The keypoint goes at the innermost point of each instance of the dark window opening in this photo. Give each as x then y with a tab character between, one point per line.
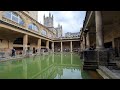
18	41
108	45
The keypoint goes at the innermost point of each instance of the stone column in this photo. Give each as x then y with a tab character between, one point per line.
61	47
39	45
99	31
84	42
47	44
31	47
53	46
87	40
25	41
102	54
71	46
113	43
81	45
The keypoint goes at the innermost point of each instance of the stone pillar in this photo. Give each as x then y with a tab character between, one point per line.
81	46
39	46
25	41
31	47
87	40
47	44
99	32
61	47
81	50
113	43
102	54
53	46
84	41
71	46
10	44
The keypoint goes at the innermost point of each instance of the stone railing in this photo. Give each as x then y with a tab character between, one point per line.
67	38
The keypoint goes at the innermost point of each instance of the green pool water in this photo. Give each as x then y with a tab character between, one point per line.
52	66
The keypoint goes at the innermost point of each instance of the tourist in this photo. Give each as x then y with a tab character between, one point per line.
13	52
91	48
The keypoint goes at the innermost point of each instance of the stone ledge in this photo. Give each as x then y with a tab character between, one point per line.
108	73
102	74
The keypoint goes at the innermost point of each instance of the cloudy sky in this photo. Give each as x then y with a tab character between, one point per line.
71	21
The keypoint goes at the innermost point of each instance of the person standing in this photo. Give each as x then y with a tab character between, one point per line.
13	52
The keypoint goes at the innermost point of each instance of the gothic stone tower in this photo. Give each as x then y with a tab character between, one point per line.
48	21
59	30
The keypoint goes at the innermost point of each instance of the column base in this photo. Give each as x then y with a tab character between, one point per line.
102	57
38	51
93	58
100	48
90	60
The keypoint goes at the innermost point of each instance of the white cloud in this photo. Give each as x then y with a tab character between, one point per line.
71	21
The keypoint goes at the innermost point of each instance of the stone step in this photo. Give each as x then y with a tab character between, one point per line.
108	73
102	74
90	67
112	64
90	63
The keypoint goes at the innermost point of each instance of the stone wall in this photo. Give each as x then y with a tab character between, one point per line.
5	44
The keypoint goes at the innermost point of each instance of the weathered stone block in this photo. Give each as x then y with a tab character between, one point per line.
111	55
81	55
90	60
102	56
90	56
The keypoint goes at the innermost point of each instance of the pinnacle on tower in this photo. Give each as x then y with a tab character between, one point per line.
44	16
61	26
52	16
58	25
49	14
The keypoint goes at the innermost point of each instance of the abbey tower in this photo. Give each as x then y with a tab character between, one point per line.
49	23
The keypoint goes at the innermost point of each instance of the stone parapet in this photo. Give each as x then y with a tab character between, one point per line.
93	58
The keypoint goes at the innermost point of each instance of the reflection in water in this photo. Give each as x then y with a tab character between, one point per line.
53	66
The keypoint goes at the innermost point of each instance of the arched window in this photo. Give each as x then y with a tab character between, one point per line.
43	32
14	17
33	27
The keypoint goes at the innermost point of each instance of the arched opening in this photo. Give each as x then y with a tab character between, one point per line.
32	26
14	17
43	32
